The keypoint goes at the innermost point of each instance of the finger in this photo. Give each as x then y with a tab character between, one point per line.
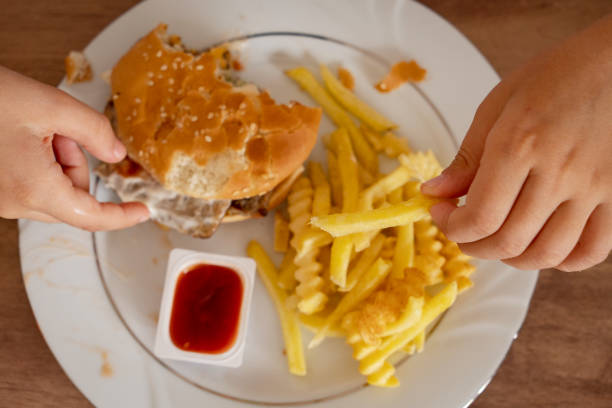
77	207
490	198
532	209
455	180
594	244
38	216
556	239
71	158
87	127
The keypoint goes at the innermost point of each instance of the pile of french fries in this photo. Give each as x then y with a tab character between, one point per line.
362	258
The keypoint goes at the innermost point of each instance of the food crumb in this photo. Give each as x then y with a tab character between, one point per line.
155	260
401	73
345	76
77	67
284	352
106	370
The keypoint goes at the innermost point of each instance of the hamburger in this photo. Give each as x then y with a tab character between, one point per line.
203	147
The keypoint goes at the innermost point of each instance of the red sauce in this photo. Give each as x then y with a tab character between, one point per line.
206	309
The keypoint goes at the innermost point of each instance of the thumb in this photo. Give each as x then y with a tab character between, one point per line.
89	128
456	179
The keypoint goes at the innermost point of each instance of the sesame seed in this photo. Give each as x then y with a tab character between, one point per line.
171	90
182	64
162	108
199	67
208	139
158	54
128	118
115	97
134	113
222	107
174	65
150	83
150	74
164	141
163	115
194	118
196	133
159	76
242	106
145	54
137	100
210	115
163	67
201	89
171	81
179	125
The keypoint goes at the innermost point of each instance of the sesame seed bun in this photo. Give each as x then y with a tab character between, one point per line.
196	133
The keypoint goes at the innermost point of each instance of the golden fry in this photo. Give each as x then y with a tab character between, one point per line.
399	214
366	285
286	273
410	316
393	145
288	318
314	322
432	309
397	178
373	138
396	196
348	170
404	250
281	233
383	376
366	259
337	114
334	178
354	105
340	257
321	199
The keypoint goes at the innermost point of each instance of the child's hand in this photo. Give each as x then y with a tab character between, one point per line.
43	172
536	163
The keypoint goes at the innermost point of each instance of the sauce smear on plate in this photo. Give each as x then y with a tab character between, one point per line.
206	309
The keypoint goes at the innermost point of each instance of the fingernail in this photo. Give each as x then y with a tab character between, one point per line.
119	150
435	182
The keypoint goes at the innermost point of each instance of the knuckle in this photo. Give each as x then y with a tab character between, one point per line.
464	158
509	247
548	257
484	224
101	124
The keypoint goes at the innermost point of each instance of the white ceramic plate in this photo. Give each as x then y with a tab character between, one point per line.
96	296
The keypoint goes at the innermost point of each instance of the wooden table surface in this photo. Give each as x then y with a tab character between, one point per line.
563	355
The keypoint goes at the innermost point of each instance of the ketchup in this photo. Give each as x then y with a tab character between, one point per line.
206	310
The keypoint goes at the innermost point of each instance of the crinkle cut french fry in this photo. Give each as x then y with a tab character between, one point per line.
337	114
357	107
432	309
286	273
348	170
338	225
340	257
404	250
373	277
364	261
281	233
321	200
288	318
334	179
